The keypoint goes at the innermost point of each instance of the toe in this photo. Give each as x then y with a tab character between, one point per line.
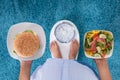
52	44
56	43
76	42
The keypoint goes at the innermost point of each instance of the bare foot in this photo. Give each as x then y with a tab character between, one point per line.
74	47
54	48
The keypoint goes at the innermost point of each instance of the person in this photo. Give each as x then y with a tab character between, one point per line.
63	69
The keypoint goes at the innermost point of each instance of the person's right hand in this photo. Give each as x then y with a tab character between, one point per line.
26	63
25	67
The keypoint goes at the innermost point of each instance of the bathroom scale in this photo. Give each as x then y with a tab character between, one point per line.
63	32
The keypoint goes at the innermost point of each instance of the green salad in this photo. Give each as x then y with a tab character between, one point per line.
98	43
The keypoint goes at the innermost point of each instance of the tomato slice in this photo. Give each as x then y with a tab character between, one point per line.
95	37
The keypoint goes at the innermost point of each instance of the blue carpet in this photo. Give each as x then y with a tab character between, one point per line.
86	14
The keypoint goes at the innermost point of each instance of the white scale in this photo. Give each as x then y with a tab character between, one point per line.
63	32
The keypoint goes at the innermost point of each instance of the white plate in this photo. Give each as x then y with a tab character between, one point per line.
107	56
21	27
64	47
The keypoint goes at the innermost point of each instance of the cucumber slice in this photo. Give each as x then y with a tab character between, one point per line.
102	36
96	55
98	49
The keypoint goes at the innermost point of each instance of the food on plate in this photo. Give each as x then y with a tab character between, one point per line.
26	44
98	43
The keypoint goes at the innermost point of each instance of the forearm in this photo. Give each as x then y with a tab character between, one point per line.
103	70
24	71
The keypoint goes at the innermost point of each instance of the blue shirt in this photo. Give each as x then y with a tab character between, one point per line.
62	69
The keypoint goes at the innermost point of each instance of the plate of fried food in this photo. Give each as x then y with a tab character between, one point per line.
98	44
26	41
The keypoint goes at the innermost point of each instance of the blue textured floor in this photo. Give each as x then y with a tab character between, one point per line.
86	14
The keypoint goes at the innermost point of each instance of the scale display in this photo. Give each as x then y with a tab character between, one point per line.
64	32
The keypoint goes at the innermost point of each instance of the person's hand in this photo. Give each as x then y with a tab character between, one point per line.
25	67
25	63
103	69
101	62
